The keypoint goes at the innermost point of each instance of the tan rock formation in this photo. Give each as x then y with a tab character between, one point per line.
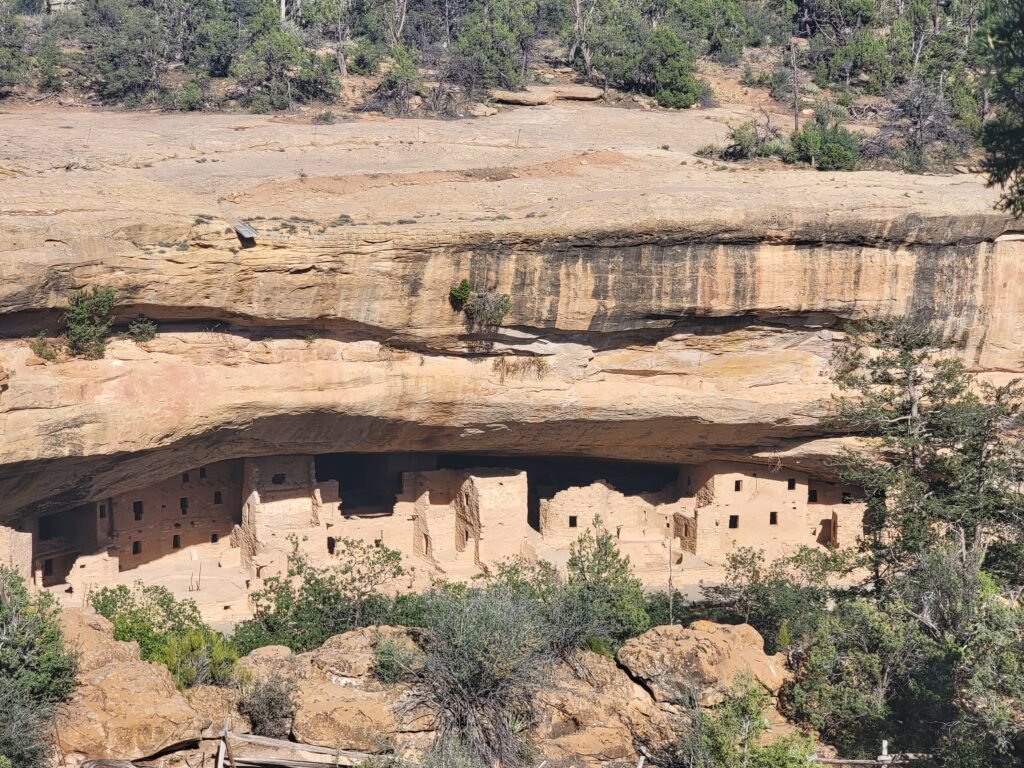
700	662
684	313
123	708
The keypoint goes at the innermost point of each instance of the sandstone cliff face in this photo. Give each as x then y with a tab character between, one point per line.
684	313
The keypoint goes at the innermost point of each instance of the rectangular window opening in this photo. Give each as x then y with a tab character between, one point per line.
47	567
137	509
791	484
278	479
734	521
136	547
773	518
218	498
847	497
184	477
812	495
738	485
572	521
202	473
183	504
103	511
176	542
214	538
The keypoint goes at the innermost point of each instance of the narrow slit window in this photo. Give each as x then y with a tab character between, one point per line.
202	473
183	504
176	542
737	486
734	521
103	511
137	509
773	518
218	498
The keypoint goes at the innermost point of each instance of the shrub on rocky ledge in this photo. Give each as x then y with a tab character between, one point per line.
87	321
269	706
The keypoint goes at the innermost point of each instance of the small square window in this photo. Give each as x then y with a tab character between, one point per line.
136	547
137	509
734	521
176	542
214	538
202	473
773	518
183	505
184	477
572	521
218	498
738	485
812	495
278	479
847	497
791	484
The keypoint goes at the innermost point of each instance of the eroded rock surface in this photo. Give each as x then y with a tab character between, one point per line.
701	662
124	708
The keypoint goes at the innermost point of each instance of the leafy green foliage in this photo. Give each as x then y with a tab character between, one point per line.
147	614
732	735
615	598
1004	136
199	657
277	70
87	321
43	348
392	661
37	671
825	144
487	310
13	61
459	294
142	329
309	605
399	85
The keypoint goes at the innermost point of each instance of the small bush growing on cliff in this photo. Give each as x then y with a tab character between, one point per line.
43	348
487	310
87	321
392	661
37	671
269	706
459	294
142	329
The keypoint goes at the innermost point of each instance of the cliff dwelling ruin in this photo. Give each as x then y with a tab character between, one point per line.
451	516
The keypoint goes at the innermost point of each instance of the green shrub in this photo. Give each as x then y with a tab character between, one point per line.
487	310
5	762
87	321
364	57
13	61
48	76
142	329
459	294
37	671
830	148
614	597
199	657
309	605
43	348
269	706
149	615
189	98
393	94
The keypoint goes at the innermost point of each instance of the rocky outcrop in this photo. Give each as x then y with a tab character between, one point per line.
123	708
701	663
594	712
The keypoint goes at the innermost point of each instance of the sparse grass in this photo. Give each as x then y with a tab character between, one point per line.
343	220
497	173
43	348
182	246
311	338
325	118
520	367
488	310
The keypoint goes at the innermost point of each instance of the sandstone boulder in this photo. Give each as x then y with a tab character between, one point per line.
578	93
702	660
124	708
528	98
596	714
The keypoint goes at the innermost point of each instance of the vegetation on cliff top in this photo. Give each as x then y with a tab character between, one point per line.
930	62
